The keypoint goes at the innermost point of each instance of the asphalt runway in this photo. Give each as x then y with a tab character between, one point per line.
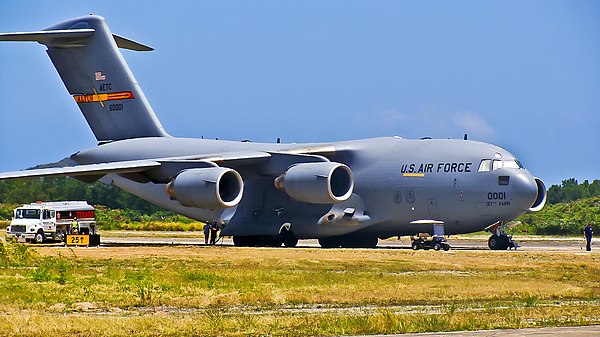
457	243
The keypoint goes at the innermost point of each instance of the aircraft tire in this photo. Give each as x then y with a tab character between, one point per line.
331	242
494	242
290	242
244	241
269	241
504	242
39	237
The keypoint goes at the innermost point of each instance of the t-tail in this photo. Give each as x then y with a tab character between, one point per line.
88	60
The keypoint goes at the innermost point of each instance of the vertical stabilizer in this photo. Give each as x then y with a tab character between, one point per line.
88	60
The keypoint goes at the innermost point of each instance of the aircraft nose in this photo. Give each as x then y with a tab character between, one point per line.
530	192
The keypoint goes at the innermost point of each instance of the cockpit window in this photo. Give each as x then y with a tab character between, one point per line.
514	164
497	164
488	165
485	166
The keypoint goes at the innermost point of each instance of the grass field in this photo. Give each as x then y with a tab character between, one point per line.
230	291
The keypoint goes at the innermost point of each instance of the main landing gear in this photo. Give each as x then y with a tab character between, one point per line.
264	241
500	239
349	241
285	237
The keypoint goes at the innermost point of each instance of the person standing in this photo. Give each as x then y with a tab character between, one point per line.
214	227
206	233
75	226
587	234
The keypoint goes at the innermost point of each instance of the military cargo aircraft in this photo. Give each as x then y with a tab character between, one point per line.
345	194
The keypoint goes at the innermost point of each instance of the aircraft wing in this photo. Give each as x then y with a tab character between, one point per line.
158	169
99	170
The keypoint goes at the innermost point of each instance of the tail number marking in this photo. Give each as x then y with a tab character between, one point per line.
115	107
496	196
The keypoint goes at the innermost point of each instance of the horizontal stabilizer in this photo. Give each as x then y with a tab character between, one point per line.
47	37
44	36
130	44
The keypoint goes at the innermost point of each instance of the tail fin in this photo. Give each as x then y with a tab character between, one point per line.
86	55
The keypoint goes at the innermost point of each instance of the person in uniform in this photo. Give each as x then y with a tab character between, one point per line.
214	227
587	234
206	233
75	226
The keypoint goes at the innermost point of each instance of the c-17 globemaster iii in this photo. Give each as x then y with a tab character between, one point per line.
345	194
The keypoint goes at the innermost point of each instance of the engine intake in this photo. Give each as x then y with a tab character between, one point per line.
317	183
214	187
540	200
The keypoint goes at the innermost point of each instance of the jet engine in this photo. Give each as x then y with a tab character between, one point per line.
540	200
211	188
317	183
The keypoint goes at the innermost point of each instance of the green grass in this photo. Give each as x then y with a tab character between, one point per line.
229	291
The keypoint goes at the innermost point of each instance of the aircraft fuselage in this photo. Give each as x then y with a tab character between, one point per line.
399	181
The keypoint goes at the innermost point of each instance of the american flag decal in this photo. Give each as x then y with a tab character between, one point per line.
99	76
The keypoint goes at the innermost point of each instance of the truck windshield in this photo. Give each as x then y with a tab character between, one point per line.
27	213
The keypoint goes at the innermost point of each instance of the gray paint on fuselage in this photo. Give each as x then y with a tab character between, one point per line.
391	199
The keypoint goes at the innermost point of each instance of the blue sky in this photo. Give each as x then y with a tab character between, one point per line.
524	75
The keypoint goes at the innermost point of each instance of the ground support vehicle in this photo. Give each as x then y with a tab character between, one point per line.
44	221
426	241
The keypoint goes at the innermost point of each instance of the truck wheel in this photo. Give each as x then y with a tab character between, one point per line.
437	246
415	245
39	237
446	247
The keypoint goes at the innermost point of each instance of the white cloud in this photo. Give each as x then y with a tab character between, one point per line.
427	121
473	124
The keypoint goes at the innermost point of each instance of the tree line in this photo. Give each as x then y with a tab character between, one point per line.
570	190
24	191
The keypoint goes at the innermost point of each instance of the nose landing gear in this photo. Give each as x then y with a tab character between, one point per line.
500	239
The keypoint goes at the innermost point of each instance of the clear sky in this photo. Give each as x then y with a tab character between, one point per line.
524	75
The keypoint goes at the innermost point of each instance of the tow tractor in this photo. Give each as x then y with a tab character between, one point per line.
426	241
500	239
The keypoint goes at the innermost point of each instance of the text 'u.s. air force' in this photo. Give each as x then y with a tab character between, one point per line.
436	167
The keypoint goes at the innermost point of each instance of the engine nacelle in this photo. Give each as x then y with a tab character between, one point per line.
540	200
317	183
211	188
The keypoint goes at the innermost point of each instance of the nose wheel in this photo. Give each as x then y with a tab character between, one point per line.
500	239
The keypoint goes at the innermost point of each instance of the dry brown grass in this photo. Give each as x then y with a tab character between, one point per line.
171	291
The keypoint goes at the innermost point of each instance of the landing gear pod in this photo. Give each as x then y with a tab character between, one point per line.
317	183
210	188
